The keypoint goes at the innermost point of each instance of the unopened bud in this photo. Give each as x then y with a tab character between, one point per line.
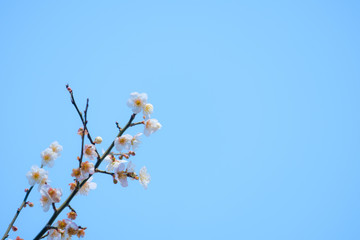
121	157
115	181
132	153
68	88
98	140
30	204
81	233
72	215
14	228
26	189
18	238
126	156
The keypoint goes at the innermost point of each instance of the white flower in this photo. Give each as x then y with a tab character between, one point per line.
54	234
144	177
45	202
87	168
121	175
151	126
98	140
137	101
48	156
70	229
89	151
147	110
112	163
36	175
57	148
54	193
89	185
123	142
135	141
49	195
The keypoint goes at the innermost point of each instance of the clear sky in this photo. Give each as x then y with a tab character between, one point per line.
259	102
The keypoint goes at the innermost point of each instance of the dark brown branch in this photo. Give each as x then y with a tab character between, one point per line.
47	234
138	123
54	207
83	134
81	117
17	213
112	144
71	208
117	125
105	172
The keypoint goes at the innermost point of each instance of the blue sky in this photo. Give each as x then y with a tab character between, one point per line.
259	103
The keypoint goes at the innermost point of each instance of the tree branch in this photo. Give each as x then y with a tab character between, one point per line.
17	213
81	117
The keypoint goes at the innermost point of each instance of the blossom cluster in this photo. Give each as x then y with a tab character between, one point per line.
117	165
38	175
66	229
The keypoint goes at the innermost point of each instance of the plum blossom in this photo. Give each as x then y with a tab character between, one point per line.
147	110
87	168
112	162
135	141
45	202
151	126
137	101
49	195
121	175
89	151
123	142
36	175
56	148
54	234
89	185
48	156
81	131
144	177
71	229
77	173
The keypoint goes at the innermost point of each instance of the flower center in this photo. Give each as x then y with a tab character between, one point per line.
137	102
36	175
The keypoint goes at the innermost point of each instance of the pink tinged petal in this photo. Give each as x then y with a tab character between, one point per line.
123	182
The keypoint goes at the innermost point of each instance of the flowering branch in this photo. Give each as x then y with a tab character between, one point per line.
83	175
112	144
23	204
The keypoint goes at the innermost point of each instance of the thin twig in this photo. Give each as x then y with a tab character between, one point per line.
17	213
54	207
138	123
47	234
112	144
81	117
83	134
105	172
71	208
117	125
